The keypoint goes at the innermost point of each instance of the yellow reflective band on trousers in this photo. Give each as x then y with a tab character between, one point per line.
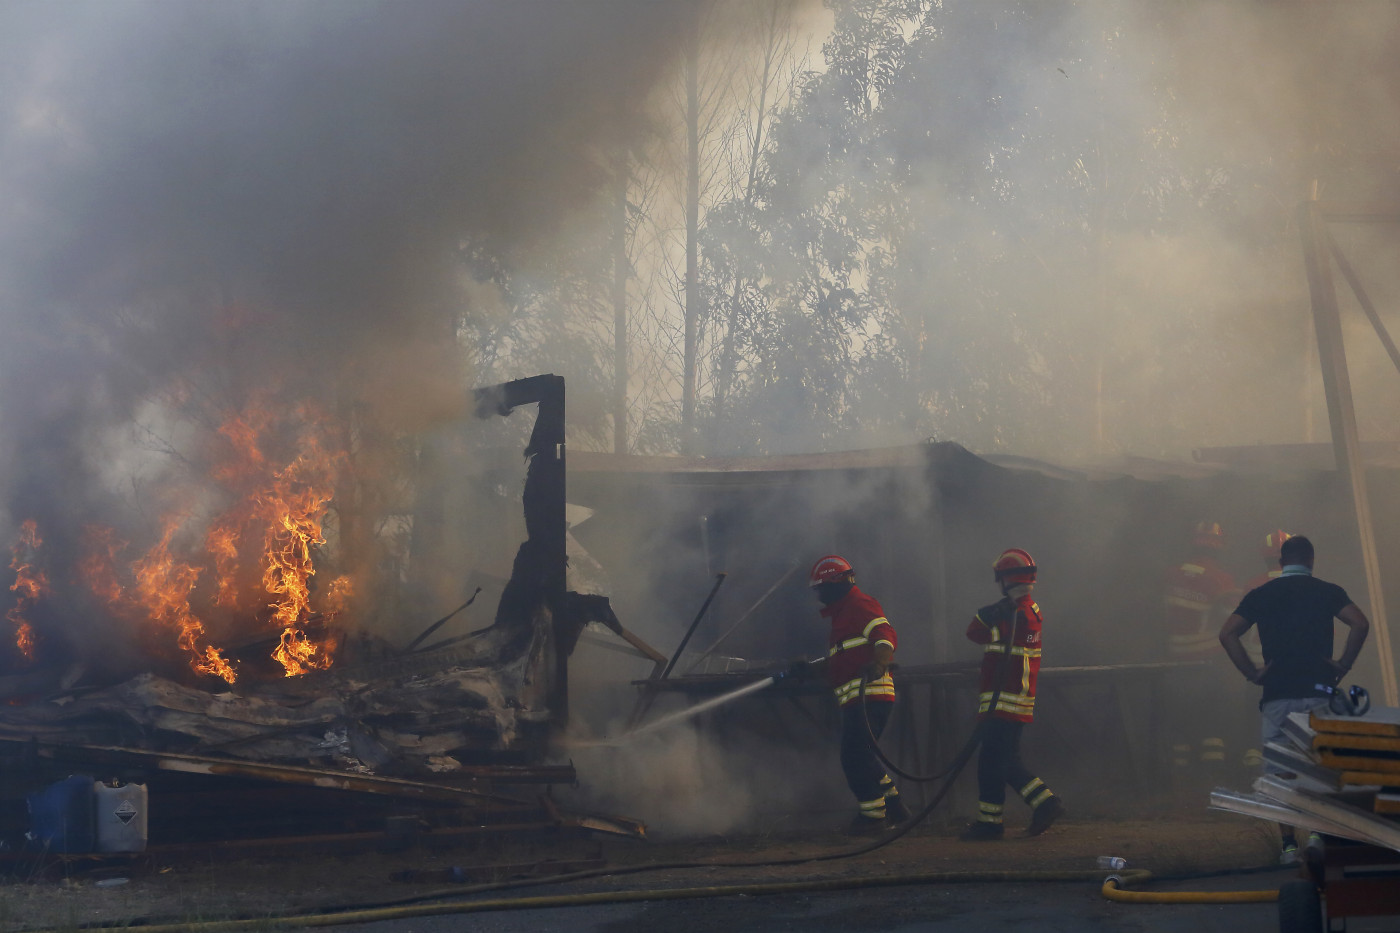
989	812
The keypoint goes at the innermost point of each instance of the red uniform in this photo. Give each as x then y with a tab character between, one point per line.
858	624
1200	594
1015	623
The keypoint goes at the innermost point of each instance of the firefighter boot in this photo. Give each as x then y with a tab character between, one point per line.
862	825
979	831
895	810
870	821
988	825
1046	812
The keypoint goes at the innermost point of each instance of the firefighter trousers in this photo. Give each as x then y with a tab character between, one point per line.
865	775
999	763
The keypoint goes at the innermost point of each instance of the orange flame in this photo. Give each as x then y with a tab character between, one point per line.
296	504
97	564
277	465
281	508
30	584
163	586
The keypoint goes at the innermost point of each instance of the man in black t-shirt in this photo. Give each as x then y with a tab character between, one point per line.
1294	614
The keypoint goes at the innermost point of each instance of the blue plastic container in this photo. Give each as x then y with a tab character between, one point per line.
61	816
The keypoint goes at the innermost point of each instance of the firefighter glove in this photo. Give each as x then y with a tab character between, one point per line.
873	670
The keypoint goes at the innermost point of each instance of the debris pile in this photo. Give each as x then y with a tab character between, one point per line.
1342	777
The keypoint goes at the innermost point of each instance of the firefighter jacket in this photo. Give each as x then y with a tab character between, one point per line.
858	624
1012	625
1199	596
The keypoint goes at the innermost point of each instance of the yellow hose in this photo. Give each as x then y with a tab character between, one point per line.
1113	891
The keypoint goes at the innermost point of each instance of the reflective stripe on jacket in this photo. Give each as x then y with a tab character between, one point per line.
858	624
1013	625
1199	595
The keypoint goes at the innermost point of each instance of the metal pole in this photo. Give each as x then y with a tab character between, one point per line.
743	618
1341	414
719	579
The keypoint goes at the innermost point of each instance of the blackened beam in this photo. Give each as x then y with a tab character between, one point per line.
539	576
545	491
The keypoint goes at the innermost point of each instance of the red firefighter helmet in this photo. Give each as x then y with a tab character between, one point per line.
1208	535
1273	541
830	569
1014	566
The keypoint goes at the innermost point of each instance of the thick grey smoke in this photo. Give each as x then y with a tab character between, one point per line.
263	194
213	205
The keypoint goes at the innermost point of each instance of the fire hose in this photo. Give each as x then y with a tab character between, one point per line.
370	914
1112	889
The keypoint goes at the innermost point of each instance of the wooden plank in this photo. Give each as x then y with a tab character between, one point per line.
1379	720
1359	762
287	774
1388	804
1367	779
1376	743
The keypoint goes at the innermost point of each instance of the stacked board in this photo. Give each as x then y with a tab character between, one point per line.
1364	751
1342	777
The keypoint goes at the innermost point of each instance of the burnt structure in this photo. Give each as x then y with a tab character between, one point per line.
537	615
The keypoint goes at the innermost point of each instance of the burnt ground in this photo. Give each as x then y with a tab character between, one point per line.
207	885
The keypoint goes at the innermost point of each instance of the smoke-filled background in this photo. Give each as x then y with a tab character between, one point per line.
1056	230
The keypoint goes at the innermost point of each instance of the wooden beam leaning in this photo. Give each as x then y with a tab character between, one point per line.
1341	414
1364	300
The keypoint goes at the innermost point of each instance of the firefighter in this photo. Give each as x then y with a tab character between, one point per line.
1199	596
1009	631
1269	551
861	650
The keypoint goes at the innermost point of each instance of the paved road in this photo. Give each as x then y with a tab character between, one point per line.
964	908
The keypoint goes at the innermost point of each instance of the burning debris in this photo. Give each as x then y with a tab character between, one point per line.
246	658
30	584
211	582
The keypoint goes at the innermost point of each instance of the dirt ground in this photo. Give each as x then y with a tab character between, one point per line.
209	886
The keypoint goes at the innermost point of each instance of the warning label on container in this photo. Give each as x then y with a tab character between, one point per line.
125	812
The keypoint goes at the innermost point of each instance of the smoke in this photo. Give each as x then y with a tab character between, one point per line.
1124	180
726	771
214	203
